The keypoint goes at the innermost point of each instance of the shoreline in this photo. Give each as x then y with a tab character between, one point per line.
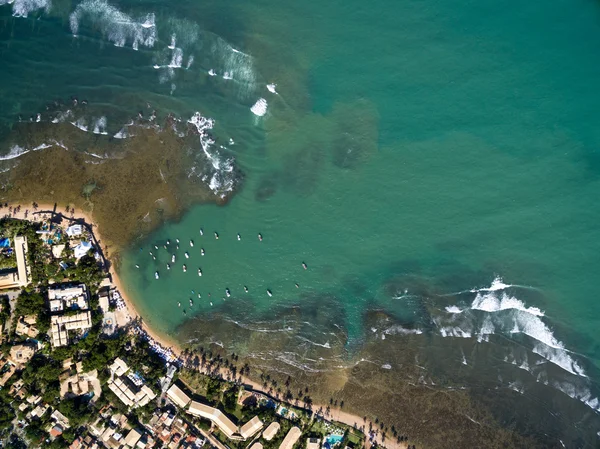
131	314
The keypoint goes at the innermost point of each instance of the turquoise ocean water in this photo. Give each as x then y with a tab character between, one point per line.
433	160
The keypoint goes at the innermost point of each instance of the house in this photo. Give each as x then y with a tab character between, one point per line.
82	249
291	438
74	230
21	354
60	419
132	438
178	397
26	326
271	431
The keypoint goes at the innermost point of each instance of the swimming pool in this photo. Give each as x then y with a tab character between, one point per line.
333	439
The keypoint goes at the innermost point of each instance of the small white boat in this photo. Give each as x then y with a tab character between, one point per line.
178	304
168	242
192	243
216	236
245	289
199	272
184	268
227	292
136	265
168	267
165	246
260	236
239	237
155	247
202	251
156	275
297	286
177	240
153	257
199	295
304	265
269	293
201	231
211	303
151	253
173	258
187	256
191	303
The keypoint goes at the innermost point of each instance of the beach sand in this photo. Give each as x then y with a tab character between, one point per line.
130	313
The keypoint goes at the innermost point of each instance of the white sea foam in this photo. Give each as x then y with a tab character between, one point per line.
117	26
490	302
506	315
22	8
454	309
386	366
190	62
63	116
271	88
100	126
399	330
260	107
176	58
123	133
497	284
81	124
15	152
220	176
42	146
211	72
173	41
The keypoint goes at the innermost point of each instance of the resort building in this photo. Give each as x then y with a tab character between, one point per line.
178	397
20	277
225	425
60	325
129	388
256	446
69	303
80	384
291	438
251	427
217	417
271	431
67	296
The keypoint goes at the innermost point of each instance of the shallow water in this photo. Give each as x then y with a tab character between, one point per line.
431	161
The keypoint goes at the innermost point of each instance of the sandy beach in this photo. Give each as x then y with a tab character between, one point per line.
129	313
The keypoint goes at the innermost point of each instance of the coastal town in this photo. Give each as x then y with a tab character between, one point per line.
79	369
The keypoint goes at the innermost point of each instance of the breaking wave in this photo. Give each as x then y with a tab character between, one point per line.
117	26
22	8
218	170
494	311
